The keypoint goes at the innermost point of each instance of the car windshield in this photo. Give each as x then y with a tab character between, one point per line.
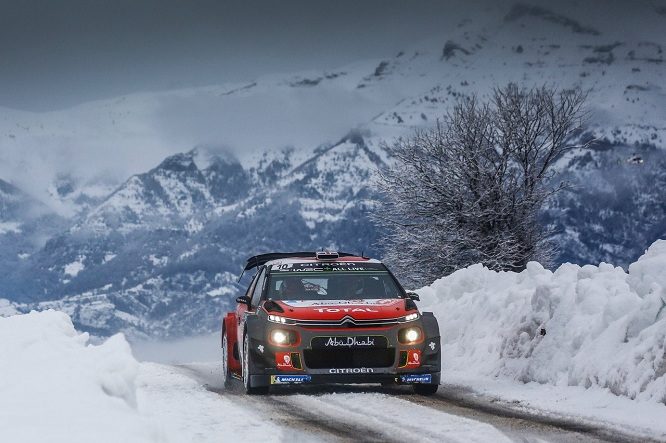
332	283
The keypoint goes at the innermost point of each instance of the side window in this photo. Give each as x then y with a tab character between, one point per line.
250	288
258	287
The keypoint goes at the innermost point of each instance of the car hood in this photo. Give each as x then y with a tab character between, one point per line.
332	310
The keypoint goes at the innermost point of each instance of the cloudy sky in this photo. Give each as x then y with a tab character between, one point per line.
58	53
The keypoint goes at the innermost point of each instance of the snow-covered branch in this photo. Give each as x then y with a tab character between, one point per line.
470	189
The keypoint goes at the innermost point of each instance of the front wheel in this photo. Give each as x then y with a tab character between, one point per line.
424	389
247	368
226	376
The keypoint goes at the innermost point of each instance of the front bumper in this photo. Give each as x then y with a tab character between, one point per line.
410	378
310	362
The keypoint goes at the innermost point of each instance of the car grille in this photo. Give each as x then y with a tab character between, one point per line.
346	322
349	358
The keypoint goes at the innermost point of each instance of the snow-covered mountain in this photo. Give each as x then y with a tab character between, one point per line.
619	58
285	162
615	205
25	226
162	253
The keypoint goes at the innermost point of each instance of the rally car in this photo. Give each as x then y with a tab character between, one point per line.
328	317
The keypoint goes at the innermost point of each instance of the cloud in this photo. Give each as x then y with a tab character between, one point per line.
112	139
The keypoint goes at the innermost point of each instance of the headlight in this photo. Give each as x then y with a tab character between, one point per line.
410	335
277	319
411	317
281	337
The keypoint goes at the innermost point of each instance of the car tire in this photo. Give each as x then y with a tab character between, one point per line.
425	389
247	370
226	374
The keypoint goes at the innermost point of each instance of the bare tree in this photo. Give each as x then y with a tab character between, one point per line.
470	190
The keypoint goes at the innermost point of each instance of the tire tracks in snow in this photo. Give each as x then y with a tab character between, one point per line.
301	423
351	413
395	414
311	424
395	418
516	420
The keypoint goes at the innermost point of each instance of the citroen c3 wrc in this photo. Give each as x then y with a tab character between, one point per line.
328	317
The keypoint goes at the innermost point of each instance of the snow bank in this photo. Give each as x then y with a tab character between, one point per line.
7	308
56	387
602	327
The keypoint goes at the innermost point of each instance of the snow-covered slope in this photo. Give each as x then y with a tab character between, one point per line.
56	386
76	390
25	225
592	326
615	205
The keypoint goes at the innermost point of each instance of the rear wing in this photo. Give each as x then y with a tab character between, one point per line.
262	259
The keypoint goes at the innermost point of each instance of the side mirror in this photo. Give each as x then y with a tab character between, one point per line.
414	296
243	299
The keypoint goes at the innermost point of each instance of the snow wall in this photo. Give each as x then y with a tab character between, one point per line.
584	326
54	386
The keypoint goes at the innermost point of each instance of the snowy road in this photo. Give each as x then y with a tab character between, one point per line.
372	413
85	392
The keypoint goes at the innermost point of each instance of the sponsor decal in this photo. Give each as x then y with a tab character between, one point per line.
289	379
416	378
387	301
261	348
367	341
283	360
432	345
333	303
333	310
350	370
348	342
413	359
328	267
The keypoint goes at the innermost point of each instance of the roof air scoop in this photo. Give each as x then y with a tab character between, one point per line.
327	255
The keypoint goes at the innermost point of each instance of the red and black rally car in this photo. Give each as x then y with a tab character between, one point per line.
328	317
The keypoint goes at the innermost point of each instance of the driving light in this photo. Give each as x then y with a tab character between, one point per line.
410	335
282	337
279	337
411	317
